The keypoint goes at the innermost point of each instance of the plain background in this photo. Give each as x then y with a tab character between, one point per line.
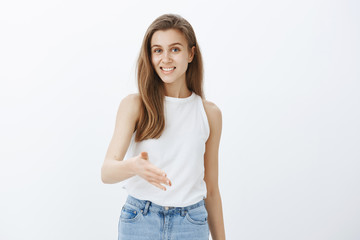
285	75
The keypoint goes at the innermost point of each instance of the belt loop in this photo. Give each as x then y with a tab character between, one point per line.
182	212
147	205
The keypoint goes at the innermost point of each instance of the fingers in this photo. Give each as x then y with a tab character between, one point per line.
157	177
153	174
160	180
157	182
144	155
158	185
161	177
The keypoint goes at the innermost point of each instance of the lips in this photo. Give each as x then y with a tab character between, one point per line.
167	70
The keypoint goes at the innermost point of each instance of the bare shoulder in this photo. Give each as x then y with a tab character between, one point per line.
129	109
214	115
212	110
132	99
131	104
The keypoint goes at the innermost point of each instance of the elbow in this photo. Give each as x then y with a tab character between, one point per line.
104	178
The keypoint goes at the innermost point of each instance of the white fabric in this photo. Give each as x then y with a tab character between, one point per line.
179	152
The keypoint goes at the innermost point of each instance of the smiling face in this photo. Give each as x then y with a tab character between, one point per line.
170	55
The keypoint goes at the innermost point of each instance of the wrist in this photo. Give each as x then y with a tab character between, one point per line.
132	165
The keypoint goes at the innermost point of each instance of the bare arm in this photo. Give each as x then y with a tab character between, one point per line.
213	200
114	169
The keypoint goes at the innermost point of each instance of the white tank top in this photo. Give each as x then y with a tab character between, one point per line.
179	152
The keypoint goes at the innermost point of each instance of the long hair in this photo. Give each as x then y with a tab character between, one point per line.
151	122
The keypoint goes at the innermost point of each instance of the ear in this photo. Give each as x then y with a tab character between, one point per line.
191	54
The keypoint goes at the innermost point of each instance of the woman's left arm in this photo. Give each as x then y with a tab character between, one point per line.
213	199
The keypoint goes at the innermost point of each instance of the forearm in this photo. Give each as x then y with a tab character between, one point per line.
114	171
215	216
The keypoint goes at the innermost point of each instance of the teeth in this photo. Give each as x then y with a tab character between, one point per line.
168	69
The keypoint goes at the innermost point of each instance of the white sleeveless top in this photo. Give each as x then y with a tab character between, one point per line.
179	152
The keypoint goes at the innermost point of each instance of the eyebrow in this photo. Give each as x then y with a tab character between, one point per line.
169	45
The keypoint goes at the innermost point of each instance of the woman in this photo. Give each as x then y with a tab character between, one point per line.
170	135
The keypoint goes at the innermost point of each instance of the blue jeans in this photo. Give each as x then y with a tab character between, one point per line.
144	220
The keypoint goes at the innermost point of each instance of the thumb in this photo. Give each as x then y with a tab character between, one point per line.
144	155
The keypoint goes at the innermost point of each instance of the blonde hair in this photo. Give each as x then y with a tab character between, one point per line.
151	122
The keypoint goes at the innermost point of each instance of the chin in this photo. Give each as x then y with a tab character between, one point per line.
166	80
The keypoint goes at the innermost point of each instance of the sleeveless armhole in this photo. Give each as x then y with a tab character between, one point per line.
205	119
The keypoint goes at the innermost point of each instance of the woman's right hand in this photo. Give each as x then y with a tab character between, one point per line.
149	172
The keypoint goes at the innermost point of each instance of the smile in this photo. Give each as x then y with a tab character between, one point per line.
167	69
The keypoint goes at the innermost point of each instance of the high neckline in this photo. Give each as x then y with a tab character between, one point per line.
175	99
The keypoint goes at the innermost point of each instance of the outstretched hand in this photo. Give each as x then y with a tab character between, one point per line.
148	171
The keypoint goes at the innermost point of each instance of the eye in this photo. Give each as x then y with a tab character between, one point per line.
157	50
176	49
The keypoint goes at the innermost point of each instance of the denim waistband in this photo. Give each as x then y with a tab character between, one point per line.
146	204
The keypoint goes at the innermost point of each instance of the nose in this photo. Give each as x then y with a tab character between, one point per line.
166	57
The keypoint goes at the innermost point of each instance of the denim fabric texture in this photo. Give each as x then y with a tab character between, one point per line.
144	220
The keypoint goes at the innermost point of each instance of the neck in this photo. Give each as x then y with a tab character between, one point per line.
177	91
